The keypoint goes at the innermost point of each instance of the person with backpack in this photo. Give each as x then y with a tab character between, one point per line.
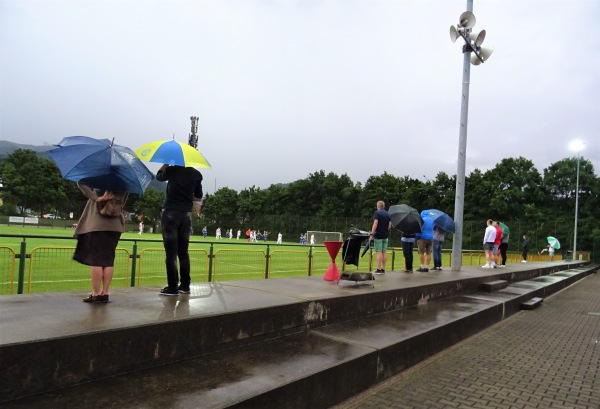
98	232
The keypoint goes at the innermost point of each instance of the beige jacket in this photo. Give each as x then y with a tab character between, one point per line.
91	220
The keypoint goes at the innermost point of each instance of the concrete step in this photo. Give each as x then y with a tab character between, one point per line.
314	368
531	304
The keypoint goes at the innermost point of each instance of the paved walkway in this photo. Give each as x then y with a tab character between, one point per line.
544	358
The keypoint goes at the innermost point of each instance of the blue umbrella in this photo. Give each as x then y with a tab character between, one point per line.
101	164
440	219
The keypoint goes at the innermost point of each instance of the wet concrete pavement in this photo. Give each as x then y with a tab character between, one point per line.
548	357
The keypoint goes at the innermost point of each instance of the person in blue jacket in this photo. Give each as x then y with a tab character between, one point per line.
425	243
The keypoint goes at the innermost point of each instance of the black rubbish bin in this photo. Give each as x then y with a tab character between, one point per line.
569	255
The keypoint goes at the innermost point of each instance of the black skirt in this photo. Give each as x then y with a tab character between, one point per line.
97	248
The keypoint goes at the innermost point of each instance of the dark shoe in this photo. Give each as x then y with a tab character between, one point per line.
91	298
408	271
379	272
168	291
102	298
183	290
422	270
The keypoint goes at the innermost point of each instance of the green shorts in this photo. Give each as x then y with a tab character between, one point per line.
380	245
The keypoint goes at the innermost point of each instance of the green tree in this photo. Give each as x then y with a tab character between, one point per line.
222	208
31	181
149	205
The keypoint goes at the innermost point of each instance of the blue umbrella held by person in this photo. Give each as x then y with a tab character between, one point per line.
101	164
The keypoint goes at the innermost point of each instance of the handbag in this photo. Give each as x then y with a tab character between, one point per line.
111	207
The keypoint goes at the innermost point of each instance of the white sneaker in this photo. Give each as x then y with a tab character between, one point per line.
523	261
501	265
486	266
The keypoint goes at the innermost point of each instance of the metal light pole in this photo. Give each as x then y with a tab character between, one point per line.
472	45
576	145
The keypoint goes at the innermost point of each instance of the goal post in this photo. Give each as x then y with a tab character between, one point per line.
322	236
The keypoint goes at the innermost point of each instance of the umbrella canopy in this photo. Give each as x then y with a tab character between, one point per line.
100	164
553	242
172	153
406	219
440	219
505	229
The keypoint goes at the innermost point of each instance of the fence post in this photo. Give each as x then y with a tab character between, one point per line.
23	257
210	262
267	256
133	263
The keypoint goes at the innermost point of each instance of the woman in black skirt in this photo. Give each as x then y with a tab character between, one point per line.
97	238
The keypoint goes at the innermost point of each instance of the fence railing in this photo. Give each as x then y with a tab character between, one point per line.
51	268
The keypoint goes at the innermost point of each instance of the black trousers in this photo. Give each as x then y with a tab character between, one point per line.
503	248
176	227
407	251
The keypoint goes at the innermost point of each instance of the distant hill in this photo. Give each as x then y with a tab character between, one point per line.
6	148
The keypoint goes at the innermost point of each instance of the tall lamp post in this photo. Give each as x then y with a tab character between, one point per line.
576	146
474	54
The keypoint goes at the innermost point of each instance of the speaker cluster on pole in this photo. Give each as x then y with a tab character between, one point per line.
473	39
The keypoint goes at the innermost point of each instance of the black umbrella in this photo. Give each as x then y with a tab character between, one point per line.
406	219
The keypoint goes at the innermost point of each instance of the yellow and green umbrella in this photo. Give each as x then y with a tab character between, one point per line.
172	153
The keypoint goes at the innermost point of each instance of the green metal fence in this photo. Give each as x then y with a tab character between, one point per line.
51	268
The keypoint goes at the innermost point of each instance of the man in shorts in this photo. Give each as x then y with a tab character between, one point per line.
497	242
488	244
382	223
425	243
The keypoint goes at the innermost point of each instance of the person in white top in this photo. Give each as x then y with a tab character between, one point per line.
141	228
312	239
279	238
488	243
218	234
239	233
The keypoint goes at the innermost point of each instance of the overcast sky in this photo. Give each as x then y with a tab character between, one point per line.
286	88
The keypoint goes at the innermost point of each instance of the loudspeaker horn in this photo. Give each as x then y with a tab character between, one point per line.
478	37
467	20
453	34
484	52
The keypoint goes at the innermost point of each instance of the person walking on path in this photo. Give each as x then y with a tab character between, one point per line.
408	245
184	189
382	223
525	248
438	241
488	244
504	247
141	228
425	244
97	238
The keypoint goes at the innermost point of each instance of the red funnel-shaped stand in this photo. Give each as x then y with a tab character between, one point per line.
333	247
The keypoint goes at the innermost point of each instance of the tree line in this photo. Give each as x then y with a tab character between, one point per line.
514	191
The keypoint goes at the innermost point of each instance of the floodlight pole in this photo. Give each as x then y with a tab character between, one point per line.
459	197
576	210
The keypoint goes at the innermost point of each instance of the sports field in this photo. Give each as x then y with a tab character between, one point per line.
49	266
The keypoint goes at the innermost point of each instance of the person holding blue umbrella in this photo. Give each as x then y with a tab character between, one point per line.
98	232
